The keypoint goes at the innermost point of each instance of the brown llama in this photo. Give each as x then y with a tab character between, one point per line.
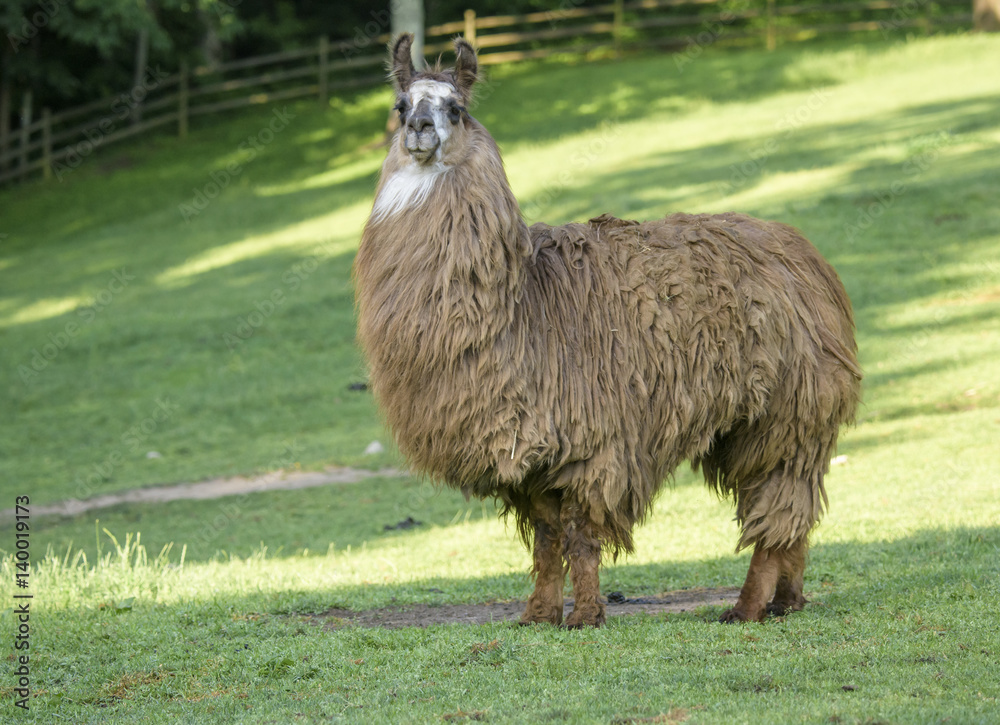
567	371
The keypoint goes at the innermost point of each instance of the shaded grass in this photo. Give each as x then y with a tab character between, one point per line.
895	633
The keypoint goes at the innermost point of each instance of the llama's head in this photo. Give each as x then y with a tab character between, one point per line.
432	105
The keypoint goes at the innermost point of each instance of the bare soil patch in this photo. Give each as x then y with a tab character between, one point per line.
423	615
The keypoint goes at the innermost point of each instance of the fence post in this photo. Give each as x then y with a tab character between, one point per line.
46	144
25	122
324	52
770	25
182	101
618	25
470	26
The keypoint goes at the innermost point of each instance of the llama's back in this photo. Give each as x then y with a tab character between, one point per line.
720	339
728	301
794	363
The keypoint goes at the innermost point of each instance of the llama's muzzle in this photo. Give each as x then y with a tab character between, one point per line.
421	138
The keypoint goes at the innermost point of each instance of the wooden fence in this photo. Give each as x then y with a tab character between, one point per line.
58	142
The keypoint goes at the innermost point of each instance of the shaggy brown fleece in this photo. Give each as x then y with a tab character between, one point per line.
567	371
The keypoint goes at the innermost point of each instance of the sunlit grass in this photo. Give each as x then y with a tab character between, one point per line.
295	237
40	310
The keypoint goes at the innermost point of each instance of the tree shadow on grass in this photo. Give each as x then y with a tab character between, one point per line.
920	575
636	86
713	172
924	600
916	574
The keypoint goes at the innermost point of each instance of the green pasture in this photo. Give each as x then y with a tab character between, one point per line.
174	311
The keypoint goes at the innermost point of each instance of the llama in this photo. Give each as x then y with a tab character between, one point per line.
567	371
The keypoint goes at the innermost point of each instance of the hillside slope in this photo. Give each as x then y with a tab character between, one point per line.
174	310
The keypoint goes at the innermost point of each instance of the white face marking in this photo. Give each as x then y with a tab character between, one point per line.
426	88
408	187
436	93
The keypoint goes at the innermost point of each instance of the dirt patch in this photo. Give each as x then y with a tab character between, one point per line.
215	488
423	615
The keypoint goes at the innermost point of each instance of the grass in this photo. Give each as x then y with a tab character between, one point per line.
225	344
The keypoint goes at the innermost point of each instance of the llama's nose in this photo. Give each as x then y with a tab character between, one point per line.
419	121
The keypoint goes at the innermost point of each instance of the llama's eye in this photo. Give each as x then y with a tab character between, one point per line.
454	113
402	107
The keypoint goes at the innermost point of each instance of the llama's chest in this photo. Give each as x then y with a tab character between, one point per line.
458	422
451	398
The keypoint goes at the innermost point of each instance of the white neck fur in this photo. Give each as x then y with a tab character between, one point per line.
408	188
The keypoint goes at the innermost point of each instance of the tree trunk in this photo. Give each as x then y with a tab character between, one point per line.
141	60
407	16
211	44
986	15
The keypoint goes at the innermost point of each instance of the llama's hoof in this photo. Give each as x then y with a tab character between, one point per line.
738	614
527	622
579	620
582	625
731	615
532	615
781	608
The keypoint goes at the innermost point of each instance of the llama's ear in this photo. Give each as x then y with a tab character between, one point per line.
466	67
401	68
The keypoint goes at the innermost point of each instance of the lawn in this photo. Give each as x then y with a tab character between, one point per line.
172	311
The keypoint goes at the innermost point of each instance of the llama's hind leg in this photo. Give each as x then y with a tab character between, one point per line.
788	595
773	584
776	511
546	602
582	550
759	587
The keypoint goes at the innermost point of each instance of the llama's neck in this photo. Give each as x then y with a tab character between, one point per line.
446	245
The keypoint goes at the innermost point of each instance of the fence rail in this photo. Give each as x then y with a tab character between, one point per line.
59	141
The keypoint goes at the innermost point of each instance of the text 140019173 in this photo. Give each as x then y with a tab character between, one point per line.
22	607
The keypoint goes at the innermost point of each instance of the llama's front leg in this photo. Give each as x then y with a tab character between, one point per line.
582	550
546	603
